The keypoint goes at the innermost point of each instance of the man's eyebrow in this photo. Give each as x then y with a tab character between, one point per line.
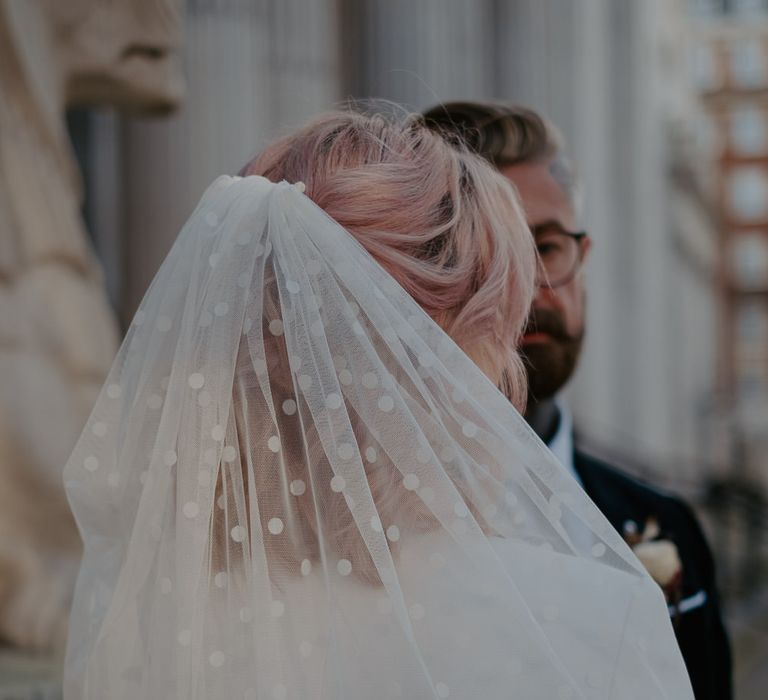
548	223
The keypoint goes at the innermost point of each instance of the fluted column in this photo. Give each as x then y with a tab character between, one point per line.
253	69
420	53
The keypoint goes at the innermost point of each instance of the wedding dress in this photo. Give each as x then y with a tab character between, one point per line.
294	485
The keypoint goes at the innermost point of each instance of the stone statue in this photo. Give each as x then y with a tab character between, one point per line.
57	331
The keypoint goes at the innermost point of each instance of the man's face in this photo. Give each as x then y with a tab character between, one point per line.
552	340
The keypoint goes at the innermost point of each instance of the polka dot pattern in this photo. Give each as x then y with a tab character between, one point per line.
426	359
411	482
333	401
305	382
427	495
346	451
191	509
91	463
344	567
114	391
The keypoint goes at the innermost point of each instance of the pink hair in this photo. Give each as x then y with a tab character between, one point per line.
449	228
439	219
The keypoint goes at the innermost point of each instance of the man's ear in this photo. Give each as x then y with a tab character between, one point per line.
586	246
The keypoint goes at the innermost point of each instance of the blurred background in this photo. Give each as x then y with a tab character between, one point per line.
664	105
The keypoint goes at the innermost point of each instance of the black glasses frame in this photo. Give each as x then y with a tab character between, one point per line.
577	236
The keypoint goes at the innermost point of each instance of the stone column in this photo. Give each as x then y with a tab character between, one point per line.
420	53
253	69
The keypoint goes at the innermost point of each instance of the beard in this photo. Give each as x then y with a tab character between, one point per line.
549	365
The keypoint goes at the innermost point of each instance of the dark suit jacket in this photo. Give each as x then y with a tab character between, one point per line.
699	627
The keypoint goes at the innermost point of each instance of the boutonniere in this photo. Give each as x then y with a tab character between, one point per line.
658	555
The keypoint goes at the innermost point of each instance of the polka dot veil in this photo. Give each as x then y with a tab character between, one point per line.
294	485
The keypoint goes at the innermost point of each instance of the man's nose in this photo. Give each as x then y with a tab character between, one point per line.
545	297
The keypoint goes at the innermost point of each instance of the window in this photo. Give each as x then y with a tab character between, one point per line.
748	193
706	8
704	68
750	260
746	7
748	131
752	325
748	64
752	381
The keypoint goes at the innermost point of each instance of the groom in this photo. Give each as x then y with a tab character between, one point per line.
661	528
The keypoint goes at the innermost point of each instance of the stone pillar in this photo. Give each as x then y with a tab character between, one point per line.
420	53
253	70
57	330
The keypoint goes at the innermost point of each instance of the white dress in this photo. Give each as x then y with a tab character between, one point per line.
475	649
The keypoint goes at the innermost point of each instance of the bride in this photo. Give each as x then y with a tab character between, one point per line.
301	481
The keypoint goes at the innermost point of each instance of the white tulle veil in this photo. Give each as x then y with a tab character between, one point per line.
294	485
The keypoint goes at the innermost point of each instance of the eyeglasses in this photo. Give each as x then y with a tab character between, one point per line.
560	253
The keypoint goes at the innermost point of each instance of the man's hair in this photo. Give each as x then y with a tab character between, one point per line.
505	134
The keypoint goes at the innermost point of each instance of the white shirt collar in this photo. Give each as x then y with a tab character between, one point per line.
561	443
